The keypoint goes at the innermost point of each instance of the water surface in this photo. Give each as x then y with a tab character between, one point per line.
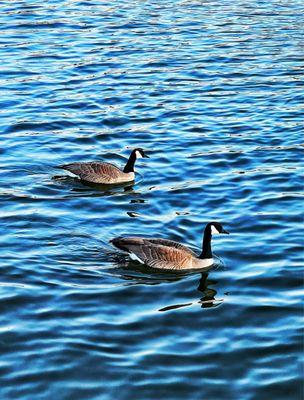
212	91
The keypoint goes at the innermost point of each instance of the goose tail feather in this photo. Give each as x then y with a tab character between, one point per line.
118	243
123	243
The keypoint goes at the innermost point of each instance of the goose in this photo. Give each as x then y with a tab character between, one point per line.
167	254
103	172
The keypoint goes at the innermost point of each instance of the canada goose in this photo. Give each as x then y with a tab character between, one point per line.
103	172
167	254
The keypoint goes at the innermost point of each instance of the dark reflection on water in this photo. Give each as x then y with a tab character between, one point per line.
208	299
213	91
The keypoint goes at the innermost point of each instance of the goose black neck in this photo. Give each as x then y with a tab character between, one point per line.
129	167
206	247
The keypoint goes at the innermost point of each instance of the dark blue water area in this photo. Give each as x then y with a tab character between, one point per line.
213	91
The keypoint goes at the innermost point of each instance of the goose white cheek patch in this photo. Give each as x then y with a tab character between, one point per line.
214	231
138	155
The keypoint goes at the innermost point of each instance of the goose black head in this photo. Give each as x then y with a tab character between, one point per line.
139	153
217	228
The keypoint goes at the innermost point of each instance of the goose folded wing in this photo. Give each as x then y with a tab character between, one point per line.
156	255
89	171
172	243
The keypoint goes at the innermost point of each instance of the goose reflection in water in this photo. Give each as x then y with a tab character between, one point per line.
207	301
136	273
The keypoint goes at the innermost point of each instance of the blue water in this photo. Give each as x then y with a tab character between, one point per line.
212	91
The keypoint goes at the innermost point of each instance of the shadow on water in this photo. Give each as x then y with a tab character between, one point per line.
137	273
207	300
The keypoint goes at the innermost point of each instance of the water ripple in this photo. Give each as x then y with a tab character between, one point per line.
213	92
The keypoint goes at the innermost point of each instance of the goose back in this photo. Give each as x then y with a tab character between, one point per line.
98	172
157	253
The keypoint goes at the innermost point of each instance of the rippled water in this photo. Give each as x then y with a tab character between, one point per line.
212	90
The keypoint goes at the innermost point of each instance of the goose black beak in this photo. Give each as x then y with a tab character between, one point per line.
226	232
145	156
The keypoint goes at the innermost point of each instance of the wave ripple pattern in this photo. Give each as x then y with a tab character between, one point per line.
212	91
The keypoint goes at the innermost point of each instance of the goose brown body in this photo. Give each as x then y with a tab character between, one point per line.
168	254
98	172
157	253
103	172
